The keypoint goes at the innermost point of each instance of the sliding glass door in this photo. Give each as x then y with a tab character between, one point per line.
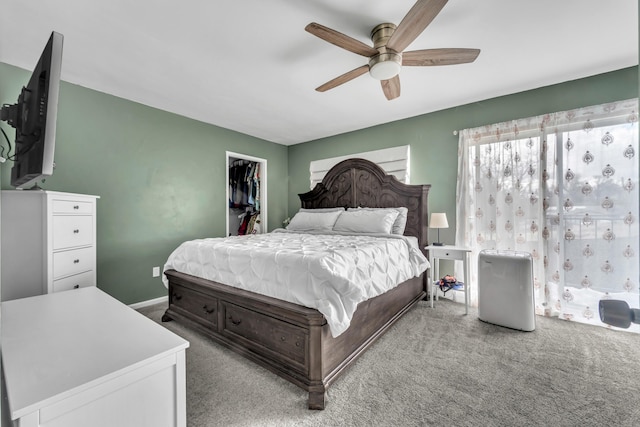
563	187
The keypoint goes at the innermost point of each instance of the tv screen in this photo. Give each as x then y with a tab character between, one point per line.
34	118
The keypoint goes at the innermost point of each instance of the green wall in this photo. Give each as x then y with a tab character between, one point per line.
434	147
160	178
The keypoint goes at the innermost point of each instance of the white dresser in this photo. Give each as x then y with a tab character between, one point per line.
48	242
83	359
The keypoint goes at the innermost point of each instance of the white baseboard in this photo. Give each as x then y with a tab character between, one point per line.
149	302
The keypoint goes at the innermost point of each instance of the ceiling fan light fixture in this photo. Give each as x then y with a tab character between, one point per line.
385	66
388	56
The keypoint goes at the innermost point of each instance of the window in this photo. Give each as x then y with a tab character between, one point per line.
563	187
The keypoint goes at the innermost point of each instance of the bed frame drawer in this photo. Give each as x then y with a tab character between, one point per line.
266	334
202	308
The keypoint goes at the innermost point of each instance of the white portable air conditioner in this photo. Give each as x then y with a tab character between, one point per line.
505	289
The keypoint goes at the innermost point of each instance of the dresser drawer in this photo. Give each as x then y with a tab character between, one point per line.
202	306
81	280
67	263
71	207
266	334
70	231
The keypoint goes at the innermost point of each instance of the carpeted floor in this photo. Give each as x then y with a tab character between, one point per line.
434	367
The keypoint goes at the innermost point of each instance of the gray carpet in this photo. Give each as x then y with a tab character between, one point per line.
434	367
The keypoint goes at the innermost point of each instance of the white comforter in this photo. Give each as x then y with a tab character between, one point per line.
329	272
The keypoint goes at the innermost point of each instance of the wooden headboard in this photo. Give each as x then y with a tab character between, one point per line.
360	183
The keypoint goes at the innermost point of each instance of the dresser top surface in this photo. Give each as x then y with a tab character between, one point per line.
48	193
59	344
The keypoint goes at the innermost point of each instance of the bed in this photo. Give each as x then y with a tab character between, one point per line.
292	340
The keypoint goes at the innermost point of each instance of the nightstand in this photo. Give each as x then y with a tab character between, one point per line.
456	253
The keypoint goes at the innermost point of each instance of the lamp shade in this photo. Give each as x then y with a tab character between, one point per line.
438	220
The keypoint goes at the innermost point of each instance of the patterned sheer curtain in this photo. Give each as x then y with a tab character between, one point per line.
564	187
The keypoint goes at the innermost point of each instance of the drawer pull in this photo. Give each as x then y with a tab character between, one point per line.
235	322
207	310
76	231
76	261
76	207
297	343
282	338
177	297
76	286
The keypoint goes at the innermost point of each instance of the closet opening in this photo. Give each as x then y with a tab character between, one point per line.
246	194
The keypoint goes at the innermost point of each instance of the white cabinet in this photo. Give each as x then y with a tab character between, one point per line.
48	242
84	359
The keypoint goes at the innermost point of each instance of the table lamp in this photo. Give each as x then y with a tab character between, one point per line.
438	220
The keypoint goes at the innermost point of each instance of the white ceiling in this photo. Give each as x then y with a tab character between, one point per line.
249	66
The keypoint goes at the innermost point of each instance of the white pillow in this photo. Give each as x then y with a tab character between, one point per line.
366	221
313	221
401	220
316	210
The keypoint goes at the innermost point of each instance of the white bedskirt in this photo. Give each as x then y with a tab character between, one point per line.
332	273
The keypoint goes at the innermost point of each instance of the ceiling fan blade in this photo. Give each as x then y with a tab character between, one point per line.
348	76
432	57
391	87
340	40
414	23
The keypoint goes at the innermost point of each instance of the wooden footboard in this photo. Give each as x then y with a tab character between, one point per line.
290	340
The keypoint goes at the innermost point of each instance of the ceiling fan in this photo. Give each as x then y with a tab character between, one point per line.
386	57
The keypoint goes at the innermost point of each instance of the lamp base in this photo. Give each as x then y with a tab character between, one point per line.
438	244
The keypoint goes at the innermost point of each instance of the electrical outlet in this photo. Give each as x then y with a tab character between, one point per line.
156	271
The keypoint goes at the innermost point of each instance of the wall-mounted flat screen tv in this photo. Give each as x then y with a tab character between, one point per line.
34	118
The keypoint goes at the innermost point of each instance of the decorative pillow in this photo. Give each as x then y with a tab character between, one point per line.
401	220
316	210
313	221
366	221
